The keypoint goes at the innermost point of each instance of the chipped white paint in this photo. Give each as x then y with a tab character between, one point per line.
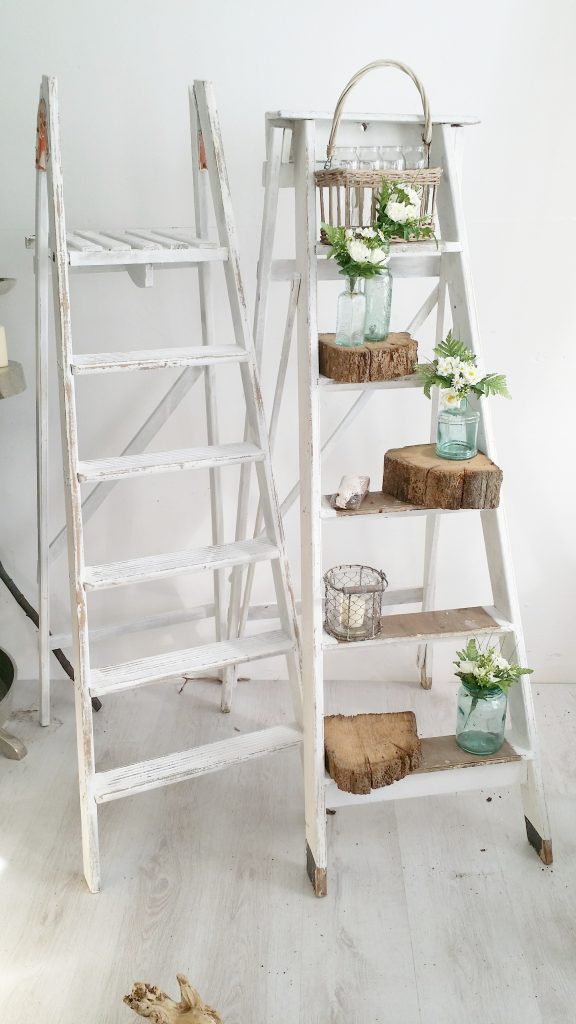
138	251
449	264
189	764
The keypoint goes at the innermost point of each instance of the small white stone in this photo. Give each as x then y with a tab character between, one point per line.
351	492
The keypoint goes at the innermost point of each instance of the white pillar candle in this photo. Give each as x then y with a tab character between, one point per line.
3	349
353	607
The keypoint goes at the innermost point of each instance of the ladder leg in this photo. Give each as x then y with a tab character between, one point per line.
205	278
523	733
522	717
273	429
236	618
203	98
84	730
88	805
310	495
42	270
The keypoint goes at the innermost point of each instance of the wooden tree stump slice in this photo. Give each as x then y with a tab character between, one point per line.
365	752
374	360
417	475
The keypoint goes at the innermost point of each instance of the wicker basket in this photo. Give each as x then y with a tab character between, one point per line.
348	198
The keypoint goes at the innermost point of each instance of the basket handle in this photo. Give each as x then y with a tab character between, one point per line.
427	132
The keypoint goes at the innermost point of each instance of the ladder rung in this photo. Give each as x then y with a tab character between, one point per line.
195	660
188	764
154	567
213	456
419	627
157	359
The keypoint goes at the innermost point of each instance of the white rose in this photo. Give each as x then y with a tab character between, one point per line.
445	366
379	256
467	667
368	233
501	663
397	212
449	398
413	211
350	233
359	251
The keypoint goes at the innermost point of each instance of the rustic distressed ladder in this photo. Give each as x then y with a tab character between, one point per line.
138	252
295	142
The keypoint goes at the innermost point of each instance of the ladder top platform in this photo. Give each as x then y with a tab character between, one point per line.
315	115
114	247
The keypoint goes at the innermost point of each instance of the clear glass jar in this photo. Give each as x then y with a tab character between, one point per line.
457	436
351	314
378	292
480	718
414	157
369	157
392	158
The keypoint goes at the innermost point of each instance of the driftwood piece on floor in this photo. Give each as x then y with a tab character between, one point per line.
374	360
417	475
351	492
365	752
149	1001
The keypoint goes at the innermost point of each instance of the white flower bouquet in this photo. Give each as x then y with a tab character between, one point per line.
359	252
455	372
398	212
486	669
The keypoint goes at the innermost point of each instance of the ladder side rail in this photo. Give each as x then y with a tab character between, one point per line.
310	498
273	430
81	658
496	536
274	148
217	173
256	423
425	655
42	295
205	288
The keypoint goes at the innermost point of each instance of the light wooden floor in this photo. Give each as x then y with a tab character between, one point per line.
438	911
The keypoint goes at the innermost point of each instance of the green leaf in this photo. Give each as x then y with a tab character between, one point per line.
493	384
451	346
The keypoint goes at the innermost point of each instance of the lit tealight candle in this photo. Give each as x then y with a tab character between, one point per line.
3	348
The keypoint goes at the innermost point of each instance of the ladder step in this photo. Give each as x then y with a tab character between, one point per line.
419	627
212	456
445	768
195	660
157	359
155	567
188	764
139	246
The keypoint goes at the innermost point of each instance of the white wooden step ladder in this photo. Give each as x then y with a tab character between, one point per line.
295	143
140	252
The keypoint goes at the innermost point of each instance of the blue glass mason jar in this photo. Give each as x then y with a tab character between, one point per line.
350	315
378	292
480	718
457	436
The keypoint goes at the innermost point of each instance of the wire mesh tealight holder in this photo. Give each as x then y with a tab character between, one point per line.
349	197
353	601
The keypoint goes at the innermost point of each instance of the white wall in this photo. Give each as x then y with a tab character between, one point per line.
123	70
